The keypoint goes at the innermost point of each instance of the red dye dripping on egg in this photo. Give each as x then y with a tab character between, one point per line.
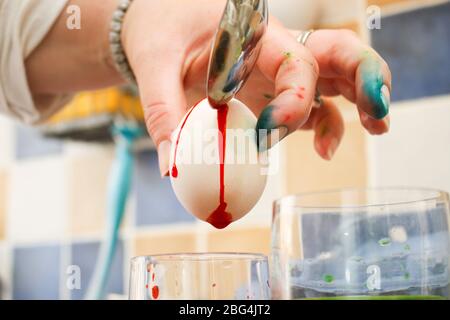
155	292
174	171
220	218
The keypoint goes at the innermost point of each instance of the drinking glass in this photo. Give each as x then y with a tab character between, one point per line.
200	276
390	243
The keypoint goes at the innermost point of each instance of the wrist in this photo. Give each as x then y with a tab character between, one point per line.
70	60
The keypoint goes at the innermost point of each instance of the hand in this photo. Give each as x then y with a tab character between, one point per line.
350	68
168	45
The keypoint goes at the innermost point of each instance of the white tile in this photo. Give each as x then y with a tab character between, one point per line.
398	7
6	141
296	14
340	11
87	179
416	152
72	149
37	206
304	14
5	272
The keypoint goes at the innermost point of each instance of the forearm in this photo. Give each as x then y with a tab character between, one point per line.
73	60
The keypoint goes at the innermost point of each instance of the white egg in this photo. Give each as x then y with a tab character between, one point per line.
216	193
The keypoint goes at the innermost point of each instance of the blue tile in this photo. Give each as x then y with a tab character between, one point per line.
416	45
84	255
36	273
156	201
31	143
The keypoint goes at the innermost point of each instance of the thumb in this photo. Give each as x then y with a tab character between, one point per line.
163	100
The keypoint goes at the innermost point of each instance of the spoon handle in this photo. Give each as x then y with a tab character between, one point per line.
236	48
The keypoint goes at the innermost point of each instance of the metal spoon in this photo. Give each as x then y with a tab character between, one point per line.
236	48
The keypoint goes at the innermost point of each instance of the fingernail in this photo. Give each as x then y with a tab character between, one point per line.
381	102
268	133
385	98
269	138
164	157
375	89
332	148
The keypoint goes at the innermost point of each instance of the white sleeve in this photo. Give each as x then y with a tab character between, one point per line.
23	25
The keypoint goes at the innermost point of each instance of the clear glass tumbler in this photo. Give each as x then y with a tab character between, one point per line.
361	244
200	276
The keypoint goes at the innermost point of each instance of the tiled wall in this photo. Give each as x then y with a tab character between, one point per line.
415	41
53	194
418	61
416	44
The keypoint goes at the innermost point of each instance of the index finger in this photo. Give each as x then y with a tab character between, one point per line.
341	54
294	70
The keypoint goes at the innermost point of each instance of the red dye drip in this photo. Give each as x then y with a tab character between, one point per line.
155	292
153	277
174	171
219	218
146	286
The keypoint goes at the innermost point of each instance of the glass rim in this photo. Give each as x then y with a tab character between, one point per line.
437	195
202	256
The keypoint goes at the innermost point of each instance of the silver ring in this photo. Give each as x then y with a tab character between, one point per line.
318	101
303	37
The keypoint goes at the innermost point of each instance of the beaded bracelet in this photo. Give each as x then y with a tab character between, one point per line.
118	53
